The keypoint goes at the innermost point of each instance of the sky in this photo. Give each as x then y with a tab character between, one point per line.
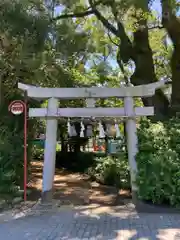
156	6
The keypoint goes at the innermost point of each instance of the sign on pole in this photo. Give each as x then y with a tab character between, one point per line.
18	107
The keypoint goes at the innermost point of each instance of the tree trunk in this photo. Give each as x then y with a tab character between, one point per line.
145	73
142	56
172	25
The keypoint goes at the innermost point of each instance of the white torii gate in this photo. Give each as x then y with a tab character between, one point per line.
53	112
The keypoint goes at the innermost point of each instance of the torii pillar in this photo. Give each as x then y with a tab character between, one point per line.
50	153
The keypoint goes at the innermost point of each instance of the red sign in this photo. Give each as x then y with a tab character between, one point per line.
16	107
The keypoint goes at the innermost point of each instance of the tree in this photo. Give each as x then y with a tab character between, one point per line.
171	22
27	54
134	47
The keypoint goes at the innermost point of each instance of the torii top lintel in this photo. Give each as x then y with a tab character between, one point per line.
93	92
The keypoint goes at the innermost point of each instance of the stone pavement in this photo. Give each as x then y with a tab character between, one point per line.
92	223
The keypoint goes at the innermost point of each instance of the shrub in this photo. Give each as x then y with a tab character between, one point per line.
37	152
158	162
38	149
111	170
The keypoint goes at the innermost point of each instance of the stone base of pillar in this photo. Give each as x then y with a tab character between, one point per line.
47	197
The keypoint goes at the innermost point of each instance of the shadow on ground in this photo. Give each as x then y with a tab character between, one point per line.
126	226
76	189
93	223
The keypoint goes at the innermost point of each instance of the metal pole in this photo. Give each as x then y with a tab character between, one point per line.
25	146
25	152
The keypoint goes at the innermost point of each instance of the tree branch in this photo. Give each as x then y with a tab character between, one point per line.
125	48
104	21
74	15
87	12
110	38
91	10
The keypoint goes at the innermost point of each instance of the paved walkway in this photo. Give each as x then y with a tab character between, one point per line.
97	223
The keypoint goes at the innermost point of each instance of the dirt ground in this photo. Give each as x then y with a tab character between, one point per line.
76	189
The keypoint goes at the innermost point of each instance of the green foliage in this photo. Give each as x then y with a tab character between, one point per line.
159	162
37	151
12	152
111	171
20	43
11	162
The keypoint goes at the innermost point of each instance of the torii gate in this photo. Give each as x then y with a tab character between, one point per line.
53	112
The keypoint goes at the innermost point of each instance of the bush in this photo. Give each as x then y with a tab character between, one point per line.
37	152
158	162
111	170
38	149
